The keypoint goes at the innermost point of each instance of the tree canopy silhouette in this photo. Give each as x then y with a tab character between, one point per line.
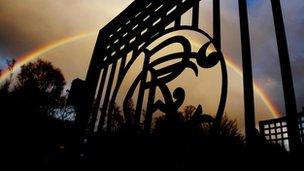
4	88
29	102
41	82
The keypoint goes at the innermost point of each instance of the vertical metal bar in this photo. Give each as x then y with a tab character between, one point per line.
217	43
148	119
98	99
141	91
217	23
120	77
91	82
195	15
262	130
106	99
247	73
178	19
94	70
287	80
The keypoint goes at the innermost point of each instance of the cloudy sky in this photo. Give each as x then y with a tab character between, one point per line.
27	25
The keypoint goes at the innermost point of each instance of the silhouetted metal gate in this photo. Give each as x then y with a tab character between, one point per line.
141	24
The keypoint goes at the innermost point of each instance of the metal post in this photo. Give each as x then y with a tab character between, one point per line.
217	23
195	15
288	87
247	73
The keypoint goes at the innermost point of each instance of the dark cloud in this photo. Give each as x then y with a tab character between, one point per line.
266	61
26	25
3	62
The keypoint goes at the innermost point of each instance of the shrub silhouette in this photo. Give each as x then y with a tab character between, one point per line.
34	136
39	127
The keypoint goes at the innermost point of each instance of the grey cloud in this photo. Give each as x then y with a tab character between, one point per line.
266	59
26	25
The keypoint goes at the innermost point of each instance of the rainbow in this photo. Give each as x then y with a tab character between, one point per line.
53	45
21	60
257	89
260	92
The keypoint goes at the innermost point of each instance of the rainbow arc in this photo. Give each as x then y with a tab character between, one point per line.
55	44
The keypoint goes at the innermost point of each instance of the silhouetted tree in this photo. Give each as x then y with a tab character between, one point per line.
64	113
27	101
229	128
193	122
188	111
4	88
129	116
41	83
117	118
130	112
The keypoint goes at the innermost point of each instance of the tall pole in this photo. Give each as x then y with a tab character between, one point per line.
288	87
247	73
195	15
217	23
217	43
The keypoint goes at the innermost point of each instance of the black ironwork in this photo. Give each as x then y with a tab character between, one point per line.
217	42
160	77
141	24
247	73
276	130
145	22
217	23
287	80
